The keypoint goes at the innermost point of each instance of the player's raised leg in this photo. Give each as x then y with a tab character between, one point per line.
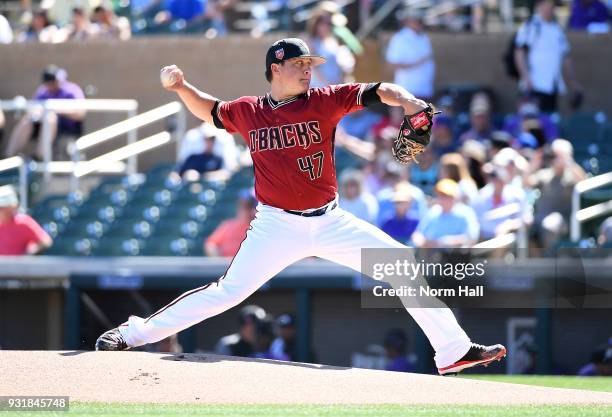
269	247
341	236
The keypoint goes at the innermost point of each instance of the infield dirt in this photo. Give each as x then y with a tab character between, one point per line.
140	377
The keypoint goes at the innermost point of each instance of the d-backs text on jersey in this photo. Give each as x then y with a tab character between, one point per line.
287	136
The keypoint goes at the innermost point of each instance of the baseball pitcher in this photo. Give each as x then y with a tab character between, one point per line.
290	134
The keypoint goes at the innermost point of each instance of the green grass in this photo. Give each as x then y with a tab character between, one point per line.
171	410
598	383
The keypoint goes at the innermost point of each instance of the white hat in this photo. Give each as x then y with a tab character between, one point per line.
8	197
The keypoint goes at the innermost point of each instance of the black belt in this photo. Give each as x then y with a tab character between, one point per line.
318	212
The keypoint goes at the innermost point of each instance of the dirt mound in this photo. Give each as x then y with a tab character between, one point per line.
133	377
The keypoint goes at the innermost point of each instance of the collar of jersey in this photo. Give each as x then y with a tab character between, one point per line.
276	104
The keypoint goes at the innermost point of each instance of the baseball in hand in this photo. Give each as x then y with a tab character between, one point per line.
167	78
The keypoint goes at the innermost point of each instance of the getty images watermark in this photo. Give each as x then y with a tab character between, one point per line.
431	278
412	271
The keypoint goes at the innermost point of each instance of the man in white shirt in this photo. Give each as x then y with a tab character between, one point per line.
410	56
542	58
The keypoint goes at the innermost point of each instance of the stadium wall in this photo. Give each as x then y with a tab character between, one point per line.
340	327
233	66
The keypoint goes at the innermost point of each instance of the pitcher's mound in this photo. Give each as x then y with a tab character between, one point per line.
202	378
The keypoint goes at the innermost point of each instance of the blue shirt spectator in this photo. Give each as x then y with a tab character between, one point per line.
354	199
203	162
585	12
386	207
448	223
186	9
401	226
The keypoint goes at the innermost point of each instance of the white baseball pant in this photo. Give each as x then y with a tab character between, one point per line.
275	240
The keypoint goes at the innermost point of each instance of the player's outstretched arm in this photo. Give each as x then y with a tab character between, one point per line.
198	102
394	95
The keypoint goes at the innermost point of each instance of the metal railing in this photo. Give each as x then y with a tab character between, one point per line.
579	215
130	107
129	126
519	238
125	152
17	162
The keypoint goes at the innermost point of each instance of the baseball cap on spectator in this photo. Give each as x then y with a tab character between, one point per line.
251	313
447	187
351	175
475	150
527	140
508	156
562	147
331	7
8	197
53	73
402	193
286	320
289	48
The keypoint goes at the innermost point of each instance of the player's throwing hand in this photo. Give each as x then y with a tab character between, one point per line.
172	78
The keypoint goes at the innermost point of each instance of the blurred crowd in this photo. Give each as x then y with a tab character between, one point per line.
63	20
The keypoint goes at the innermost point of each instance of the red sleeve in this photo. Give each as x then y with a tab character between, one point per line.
35	233
232	114
347	97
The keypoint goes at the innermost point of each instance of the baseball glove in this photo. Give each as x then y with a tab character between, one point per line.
414	135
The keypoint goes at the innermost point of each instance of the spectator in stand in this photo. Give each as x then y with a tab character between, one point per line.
499	140
242	343
448	223
425	174
501	207
340	61
55	85
395	180
475	154
589	15
442	138
354	199
19	233
605	233
410	56
396	347
401	225
194	142
481	124
6	33
109	25
555	173
61	11
79	29
263	341
542	59
206	161
600	363
285	344
40	30
521	122
453	166
227	237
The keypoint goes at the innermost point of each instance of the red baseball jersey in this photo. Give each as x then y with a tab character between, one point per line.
292	142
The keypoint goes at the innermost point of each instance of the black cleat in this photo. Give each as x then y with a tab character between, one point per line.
111	340
477	355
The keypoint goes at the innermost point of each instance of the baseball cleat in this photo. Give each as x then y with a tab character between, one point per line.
111	340
477	355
